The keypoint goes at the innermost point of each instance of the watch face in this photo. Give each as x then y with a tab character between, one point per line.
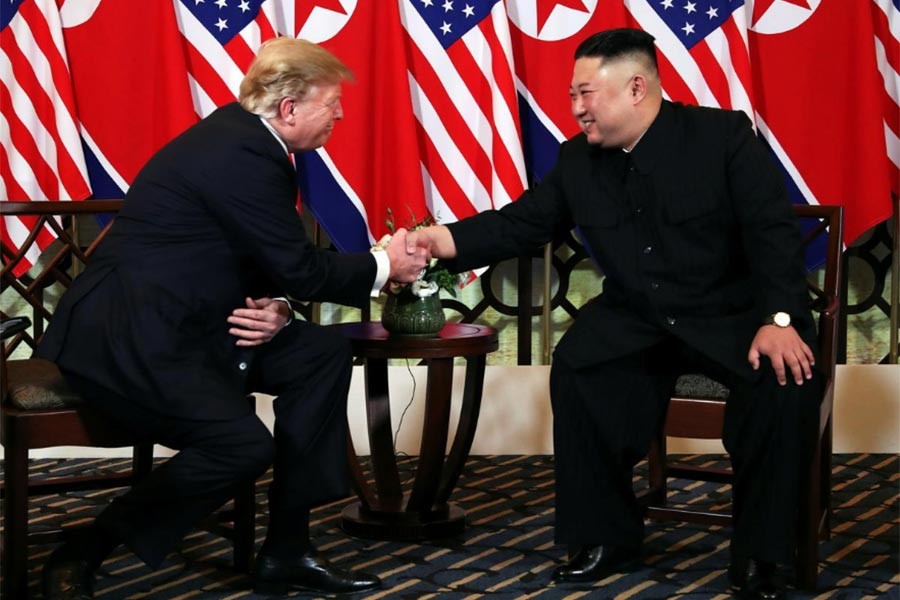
782	319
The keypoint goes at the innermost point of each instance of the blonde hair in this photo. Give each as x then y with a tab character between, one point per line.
287	68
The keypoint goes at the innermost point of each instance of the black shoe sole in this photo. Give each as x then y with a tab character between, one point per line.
626	566
282	588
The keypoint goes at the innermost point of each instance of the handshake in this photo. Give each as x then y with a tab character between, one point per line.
411	251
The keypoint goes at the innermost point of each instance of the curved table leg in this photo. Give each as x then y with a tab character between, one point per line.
381	441
424	515
465	430
434	436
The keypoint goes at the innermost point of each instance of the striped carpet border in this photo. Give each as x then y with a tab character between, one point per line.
507	550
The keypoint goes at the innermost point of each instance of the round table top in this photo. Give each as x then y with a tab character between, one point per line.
371	340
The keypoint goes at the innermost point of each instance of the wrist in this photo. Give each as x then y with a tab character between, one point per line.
779	319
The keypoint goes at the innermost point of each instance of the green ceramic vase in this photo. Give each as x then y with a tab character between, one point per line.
408	314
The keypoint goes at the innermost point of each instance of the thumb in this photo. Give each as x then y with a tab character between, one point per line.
251	303
753	357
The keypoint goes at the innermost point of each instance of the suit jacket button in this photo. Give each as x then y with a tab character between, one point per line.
670	320
242	366
648	249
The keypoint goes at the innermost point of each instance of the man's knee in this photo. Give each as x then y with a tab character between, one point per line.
250	448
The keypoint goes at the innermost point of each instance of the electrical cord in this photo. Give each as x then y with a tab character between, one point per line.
403	414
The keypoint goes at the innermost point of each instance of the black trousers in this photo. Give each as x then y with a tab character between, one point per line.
308	368
606	415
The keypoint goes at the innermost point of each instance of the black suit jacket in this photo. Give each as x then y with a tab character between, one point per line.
209	220
699	241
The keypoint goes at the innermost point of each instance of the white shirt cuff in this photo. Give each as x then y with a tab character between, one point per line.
383	264
290	309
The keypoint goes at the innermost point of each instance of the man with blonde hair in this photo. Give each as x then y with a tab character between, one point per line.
150	336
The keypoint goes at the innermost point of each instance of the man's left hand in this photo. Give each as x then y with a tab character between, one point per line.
785	349
259	321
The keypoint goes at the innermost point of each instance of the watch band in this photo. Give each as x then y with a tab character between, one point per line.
779	319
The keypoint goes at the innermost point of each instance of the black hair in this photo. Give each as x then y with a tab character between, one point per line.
618	43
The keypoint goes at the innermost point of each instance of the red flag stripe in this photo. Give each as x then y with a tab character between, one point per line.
483	90
36	177
240	51
217	69
55	155
443	182
44	40
675	87
11	189
463	83
437	95
505	123
712	71
207	77
739	63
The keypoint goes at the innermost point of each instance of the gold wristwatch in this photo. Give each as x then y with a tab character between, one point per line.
779	319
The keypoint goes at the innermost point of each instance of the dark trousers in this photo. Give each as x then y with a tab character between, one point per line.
606	415
308	368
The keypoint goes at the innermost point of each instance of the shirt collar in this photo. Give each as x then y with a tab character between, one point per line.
271	129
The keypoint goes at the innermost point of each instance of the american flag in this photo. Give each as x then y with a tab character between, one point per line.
221	39
703	50
886	21
464	98
40	149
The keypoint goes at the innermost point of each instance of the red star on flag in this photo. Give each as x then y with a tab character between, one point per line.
545	8
303	8
761	6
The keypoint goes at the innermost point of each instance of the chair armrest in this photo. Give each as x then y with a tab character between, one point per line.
13	325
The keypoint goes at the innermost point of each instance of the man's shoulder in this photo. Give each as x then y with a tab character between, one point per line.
708	116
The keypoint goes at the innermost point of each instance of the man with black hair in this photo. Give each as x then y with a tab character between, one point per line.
689	220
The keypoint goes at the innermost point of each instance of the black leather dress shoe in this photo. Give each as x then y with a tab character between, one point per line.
593	563
308	572
66	577
756	579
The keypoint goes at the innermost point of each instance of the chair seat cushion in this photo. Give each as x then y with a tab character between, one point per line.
700	386
36	383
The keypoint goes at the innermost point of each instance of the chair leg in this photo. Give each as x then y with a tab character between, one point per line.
15	511
825	481
244	527
142	463
656	464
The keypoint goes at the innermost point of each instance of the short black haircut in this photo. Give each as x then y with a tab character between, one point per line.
618	43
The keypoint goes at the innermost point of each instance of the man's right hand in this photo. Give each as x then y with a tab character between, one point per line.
407	261
437	239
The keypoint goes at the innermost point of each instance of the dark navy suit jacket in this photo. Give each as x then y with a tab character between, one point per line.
208	221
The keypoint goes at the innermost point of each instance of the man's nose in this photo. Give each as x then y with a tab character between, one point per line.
577	106
338	111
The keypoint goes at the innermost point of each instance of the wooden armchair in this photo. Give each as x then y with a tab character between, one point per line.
38	410
697	410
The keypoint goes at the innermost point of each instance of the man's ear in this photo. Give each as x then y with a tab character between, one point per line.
286	109
638	87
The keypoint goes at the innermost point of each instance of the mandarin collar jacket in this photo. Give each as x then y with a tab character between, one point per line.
698	241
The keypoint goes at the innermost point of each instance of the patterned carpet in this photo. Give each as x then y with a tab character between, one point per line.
507	550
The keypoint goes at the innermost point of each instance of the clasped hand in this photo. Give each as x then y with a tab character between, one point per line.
259	321
407	259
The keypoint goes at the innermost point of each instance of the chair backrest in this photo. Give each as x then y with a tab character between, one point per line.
36	289
823	233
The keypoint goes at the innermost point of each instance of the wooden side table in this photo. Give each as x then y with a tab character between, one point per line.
384	510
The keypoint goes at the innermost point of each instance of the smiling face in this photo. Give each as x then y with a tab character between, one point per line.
307	124
605	98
